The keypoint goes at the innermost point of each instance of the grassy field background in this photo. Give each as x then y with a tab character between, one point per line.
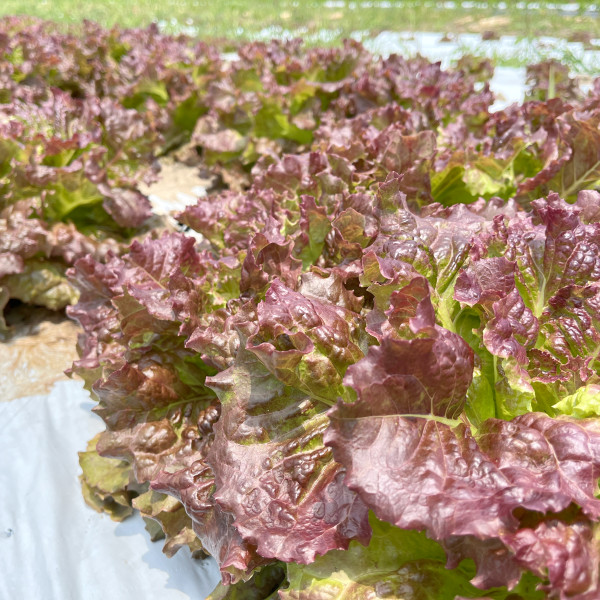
246	18
329	21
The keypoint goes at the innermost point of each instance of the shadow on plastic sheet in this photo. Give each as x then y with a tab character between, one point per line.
87	406
194	577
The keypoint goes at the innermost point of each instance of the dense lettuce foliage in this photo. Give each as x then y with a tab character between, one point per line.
438	370
84	114
377	374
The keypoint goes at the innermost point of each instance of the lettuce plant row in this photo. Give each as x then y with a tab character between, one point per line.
377	374
360	400
68	187
85	113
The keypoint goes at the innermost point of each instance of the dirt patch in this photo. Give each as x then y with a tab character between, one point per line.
464	21
489	24
41	346
177	186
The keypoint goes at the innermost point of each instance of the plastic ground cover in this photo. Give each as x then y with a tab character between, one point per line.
52	545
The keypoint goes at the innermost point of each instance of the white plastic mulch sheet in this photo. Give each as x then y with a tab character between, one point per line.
52	545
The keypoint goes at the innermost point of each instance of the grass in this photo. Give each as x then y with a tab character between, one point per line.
246	18
321	21
567	57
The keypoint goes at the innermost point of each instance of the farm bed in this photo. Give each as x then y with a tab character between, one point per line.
361	358
44	515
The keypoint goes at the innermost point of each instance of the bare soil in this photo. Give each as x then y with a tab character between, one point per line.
42	345
174	178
